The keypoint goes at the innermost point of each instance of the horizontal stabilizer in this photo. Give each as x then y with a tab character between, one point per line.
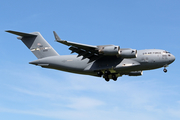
21	33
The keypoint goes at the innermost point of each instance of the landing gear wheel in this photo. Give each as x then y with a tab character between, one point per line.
107	72
99	73
165	70
106	75
114	77
107	79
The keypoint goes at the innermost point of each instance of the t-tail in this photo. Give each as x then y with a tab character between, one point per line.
36	43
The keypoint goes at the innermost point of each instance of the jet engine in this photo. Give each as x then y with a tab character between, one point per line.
128	53
110	50
115	50
135	73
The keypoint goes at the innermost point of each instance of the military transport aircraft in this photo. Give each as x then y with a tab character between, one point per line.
107	61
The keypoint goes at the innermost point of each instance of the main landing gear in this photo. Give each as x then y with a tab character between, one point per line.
106	78
99	73
114	77
106	75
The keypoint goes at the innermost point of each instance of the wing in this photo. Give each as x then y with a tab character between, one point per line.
87	51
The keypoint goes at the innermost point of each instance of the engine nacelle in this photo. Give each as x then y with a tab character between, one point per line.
110	50
128	53
135	73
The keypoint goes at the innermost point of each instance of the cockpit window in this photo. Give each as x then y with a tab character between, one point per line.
166	52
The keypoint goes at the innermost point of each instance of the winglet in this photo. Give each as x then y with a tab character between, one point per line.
56	36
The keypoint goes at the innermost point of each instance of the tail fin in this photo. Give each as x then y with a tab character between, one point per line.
36	43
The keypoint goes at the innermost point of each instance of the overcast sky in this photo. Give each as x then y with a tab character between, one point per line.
29	92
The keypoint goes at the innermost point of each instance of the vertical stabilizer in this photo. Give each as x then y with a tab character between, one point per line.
36	43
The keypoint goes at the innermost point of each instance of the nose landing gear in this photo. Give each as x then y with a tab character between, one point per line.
165	70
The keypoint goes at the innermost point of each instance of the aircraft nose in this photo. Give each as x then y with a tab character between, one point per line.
172	58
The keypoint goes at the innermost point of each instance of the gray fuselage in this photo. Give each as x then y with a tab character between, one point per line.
145	60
